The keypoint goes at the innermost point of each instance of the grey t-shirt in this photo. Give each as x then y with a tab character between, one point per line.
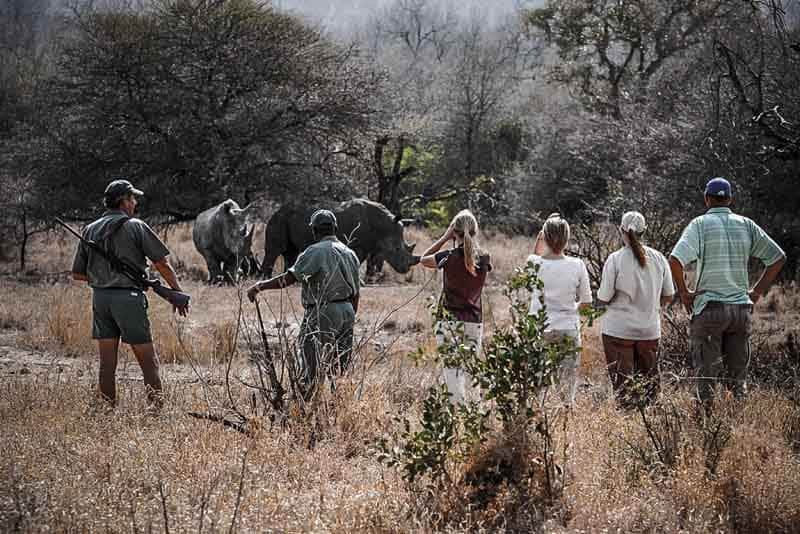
328	271
634	294
134	243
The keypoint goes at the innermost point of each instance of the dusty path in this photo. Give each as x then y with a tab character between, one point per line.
21	363
18	362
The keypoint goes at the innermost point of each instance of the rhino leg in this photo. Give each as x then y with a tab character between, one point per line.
289	259
250	266
230	271
374	267
269	263
213	265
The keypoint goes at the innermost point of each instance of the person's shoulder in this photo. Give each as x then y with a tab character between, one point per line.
741	219
134	224
749	222
315	248
656	256
350	252
617	254
338	244
574	261
614	258
697	221
650	251
135	221
95	223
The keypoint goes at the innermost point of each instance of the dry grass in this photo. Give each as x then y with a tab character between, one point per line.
70	466
52	253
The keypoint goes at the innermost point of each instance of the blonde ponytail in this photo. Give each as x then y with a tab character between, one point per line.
469	253
466	226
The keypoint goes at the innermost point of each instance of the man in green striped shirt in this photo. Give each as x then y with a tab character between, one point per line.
721	243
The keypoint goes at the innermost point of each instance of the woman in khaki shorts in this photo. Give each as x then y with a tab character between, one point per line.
636	282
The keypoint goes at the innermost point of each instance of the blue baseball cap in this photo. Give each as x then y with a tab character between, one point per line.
719	187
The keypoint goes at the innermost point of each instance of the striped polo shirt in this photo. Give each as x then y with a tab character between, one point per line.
721	243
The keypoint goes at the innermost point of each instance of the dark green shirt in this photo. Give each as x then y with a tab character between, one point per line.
328	271
134	243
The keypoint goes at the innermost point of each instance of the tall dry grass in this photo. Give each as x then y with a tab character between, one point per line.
52	253
69	465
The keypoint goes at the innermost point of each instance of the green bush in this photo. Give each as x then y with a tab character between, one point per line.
515	370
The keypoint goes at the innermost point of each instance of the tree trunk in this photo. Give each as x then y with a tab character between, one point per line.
388	187
23	246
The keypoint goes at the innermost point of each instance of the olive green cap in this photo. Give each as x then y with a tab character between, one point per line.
119	188
322	218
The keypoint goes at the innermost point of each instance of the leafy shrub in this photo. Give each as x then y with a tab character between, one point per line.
477	449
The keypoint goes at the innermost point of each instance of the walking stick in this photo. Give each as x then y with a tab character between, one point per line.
277	400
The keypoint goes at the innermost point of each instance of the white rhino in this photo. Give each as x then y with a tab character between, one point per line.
223	235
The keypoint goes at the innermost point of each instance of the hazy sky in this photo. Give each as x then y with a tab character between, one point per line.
338	15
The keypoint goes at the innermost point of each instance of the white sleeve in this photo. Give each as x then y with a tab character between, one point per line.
584	290
667	286
607	289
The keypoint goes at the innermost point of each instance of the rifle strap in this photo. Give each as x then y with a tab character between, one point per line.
111	231
105	243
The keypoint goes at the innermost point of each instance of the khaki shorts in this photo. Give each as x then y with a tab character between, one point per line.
120	313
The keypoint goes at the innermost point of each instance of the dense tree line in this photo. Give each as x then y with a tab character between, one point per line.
585	107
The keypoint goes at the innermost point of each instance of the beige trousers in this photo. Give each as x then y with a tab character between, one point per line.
458	381
568	370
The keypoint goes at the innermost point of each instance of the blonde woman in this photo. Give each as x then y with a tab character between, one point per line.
464	270
565	291
636	282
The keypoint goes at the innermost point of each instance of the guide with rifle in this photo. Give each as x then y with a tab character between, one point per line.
112	257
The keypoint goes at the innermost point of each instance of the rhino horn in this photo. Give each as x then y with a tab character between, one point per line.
414	260
410	246
406	222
